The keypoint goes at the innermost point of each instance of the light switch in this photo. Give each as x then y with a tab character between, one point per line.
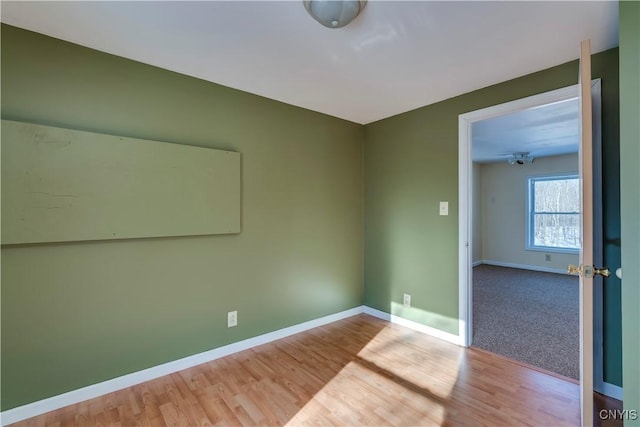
444	208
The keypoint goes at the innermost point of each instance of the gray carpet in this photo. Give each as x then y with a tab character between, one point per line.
528	316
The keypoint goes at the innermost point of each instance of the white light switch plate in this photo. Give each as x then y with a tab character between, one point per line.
444	208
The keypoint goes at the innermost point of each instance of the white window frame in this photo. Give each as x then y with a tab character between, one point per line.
529	238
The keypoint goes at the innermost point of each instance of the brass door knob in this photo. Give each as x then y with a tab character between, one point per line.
604	271
577	270
588	271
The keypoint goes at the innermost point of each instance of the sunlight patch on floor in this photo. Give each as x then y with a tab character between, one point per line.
359	396
434	370
384	386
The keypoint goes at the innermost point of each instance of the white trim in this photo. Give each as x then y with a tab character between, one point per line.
82	394
586	252
477	263
428	330
612	390
95	390
465	242
89	392
525	267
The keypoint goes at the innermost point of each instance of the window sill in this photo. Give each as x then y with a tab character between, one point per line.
553	250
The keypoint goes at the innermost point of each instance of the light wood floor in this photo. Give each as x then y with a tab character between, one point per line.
355	372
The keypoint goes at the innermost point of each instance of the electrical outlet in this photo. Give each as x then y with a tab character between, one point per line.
547	257
406	300
232	319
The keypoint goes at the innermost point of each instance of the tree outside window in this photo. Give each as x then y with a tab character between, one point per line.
554	213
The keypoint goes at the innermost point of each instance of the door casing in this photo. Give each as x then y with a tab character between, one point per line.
465	186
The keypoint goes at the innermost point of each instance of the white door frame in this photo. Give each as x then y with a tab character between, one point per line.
465	186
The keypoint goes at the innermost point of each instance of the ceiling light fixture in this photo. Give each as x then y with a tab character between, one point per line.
520	158
334	13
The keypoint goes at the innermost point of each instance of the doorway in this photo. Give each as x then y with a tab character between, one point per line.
467	228
526	230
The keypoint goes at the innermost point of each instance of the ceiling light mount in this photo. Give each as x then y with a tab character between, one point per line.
521	158
334	13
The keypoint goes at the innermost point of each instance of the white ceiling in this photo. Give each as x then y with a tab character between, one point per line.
395	57
549	130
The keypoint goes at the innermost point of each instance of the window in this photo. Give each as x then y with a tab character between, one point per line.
554	213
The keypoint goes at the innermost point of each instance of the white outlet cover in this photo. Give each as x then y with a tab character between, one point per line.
232	319
406	300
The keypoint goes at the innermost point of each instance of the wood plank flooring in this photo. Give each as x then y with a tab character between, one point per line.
360	371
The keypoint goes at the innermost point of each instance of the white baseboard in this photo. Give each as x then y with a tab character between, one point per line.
95	390
612	390
437	333
476	263
76	396
85	393
523	266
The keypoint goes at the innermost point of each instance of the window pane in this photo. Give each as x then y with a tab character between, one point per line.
557	230
557	195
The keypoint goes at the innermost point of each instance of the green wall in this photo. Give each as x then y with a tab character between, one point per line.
78	313
630	177
411	163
